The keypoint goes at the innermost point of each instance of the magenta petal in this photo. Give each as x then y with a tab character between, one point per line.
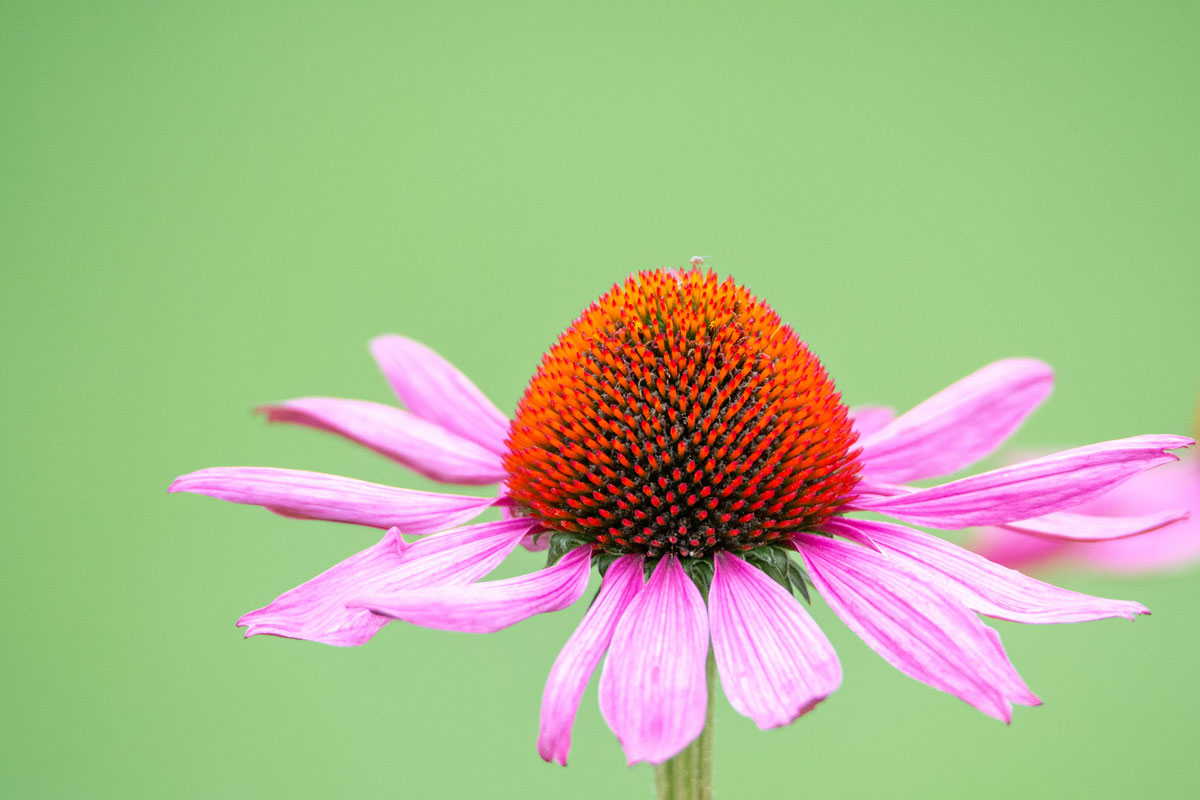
1075	527
1031	488
316	610
580	655
916	627
1015	550
652	685
986	587
1171	547
434	389
775	663
485	607
314	495
959	425
418	444
869	419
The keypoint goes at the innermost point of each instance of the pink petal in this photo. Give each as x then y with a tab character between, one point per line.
1087	528
1031	488
845	527
314	495
580	655
485	607
775	663
418	444
989	588
1015	550
434	389
316	610
536	542
915	627
959	425
1171	547
652	686
869	419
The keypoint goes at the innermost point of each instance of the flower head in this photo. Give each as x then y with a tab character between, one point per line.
685	441
680	415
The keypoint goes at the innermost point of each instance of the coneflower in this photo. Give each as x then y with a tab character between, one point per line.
684	441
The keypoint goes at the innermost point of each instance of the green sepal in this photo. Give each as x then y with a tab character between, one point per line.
774	561
563	542
603	560
799	580
700	570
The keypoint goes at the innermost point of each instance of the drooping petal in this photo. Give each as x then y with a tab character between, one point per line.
652	685
1172	546
775	663
316	610
418	444
314	495
485	607
869	419
919	630
1031	488
989	588
959	425
580	655
1074	527
434	389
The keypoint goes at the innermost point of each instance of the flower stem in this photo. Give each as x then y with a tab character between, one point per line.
688	776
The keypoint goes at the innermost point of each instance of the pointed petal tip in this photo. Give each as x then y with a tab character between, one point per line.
553	752
785	719
276	412
190	481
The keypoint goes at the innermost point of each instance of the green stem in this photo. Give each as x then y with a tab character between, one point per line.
688	776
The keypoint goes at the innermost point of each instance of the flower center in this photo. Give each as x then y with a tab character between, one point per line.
679	414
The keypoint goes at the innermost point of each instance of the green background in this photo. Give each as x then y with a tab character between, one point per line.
207	206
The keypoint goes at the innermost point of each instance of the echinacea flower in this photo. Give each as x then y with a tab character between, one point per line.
683	440
1172	547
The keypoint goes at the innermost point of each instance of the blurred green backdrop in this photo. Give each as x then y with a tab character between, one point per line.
210	206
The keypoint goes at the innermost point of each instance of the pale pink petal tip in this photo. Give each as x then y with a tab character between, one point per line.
775	663
434	389
653	690
580	655
313	495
